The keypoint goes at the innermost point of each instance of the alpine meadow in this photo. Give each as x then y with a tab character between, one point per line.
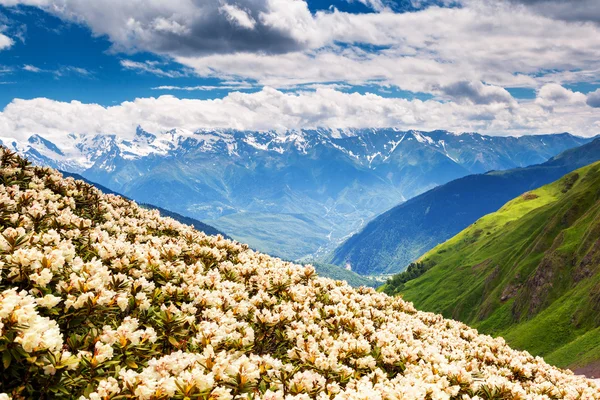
300	199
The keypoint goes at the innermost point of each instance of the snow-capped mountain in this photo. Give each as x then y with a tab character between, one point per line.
294	193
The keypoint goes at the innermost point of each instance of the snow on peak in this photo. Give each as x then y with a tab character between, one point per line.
421	138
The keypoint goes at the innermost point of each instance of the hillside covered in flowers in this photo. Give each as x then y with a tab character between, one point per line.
102	299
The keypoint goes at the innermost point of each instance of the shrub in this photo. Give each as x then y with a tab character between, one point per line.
101	299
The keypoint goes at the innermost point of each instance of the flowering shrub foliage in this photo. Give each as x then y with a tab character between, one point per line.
101	299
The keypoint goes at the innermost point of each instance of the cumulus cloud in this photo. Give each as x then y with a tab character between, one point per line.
477	93
424	51
447	52
281	43
553	94
273	109
5	42
578	10
186	27
593	99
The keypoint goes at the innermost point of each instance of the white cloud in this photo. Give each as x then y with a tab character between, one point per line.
238	16
281	43
243	85
477	93
467	55
59	72
32	68
553	94
181	27
422	51
273	109
71	70
152	67
593	99
205	87
5	42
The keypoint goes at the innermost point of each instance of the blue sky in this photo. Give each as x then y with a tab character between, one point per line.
466	60
75	64
53	45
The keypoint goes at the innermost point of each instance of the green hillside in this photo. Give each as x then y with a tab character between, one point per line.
529	272
394	239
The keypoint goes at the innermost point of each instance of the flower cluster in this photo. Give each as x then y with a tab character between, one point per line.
102	299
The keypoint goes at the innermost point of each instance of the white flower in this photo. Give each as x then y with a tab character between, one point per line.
103	352
48	301
35	333
122	301
221	393
42	278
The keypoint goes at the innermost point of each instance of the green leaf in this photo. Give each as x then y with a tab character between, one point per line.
6	359
131	364
89	389
173	341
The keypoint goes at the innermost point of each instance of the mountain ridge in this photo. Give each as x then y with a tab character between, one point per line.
399	236
83	148
198	225
342	178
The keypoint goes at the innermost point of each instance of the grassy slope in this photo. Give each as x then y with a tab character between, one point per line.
529	272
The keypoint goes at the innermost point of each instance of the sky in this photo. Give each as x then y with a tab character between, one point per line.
504	67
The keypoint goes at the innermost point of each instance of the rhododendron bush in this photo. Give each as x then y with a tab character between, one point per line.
101	299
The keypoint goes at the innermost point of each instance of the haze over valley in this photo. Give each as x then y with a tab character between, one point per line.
296	194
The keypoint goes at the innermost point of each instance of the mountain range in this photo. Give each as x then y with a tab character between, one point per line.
399	236
529	272
294	194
